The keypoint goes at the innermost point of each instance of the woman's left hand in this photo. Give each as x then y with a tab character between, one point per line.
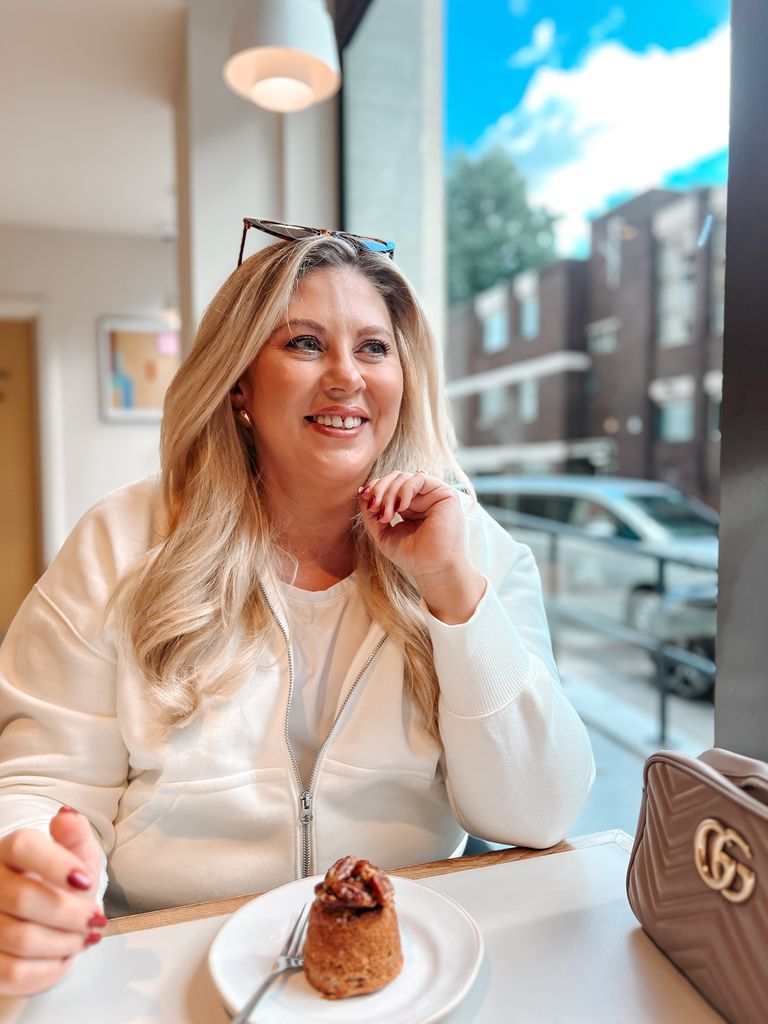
429	544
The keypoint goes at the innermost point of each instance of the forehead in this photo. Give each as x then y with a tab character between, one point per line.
338	291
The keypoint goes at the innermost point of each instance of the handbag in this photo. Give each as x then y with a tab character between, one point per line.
698	874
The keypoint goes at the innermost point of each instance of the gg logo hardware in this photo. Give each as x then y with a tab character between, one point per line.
717	868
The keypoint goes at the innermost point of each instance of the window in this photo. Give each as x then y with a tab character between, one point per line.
598	521
675	421
526	288
495	336
493	405
528	401
675	232
603	336
717	276
713	418
492	310
677	515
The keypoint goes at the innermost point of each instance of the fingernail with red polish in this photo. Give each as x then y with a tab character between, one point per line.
364	490
78	879
371	503
91	939
97	920
66	810
397	504
380	516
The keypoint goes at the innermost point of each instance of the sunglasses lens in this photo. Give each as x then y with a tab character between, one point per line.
375	246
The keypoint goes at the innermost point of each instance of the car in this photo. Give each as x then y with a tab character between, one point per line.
658	525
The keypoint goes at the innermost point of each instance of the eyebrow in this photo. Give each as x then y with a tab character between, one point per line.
313	325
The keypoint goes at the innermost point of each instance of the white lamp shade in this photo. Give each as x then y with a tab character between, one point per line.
284	53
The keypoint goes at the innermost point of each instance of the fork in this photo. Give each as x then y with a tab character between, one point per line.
290	958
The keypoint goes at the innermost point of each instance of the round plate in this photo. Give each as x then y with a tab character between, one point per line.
442	950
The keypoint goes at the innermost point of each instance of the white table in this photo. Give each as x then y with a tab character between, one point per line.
561	945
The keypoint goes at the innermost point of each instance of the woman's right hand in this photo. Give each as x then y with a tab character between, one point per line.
48	908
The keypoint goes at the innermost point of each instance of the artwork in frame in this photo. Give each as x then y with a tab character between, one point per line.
138	356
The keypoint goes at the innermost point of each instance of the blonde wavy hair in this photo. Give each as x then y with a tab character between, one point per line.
190	611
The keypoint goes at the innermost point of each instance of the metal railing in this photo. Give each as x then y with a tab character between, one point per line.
664	653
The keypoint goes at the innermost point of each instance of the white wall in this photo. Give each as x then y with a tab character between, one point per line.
67	281
236	160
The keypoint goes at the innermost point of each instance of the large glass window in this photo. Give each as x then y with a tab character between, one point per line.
571	188
573	112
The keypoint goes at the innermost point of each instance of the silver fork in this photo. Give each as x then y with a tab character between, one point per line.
290	958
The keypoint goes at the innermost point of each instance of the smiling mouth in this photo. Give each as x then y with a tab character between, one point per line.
340	422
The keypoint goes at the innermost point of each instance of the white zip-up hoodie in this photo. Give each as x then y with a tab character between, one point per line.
215	808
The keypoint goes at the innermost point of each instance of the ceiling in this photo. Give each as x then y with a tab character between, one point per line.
87	94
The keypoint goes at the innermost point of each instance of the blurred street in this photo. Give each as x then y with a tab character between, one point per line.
612	685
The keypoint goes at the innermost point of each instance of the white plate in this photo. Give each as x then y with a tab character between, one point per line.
442	950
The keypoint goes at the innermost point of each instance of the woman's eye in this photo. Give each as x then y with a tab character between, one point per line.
304	343
376	348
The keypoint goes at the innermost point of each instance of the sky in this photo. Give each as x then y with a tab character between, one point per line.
594	100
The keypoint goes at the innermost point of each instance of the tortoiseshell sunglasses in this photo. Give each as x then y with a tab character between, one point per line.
293	232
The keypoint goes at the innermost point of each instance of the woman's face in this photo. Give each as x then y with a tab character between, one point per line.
324	393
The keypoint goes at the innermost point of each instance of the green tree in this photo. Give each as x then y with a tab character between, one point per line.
493	231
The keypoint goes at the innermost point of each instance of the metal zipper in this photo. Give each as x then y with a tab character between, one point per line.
306	796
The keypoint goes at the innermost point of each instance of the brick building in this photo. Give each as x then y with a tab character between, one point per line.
604	365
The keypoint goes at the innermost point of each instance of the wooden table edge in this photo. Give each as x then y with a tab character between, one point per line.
215	908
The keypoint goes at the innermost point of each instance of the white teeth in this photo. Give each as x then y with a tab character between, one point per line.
348	423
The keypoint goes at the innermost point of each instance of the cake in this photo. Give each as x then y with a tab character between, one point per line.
353	939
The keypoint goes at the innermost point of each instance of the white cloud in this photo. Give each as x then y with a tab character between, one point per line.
540	47
614	19
619	122
519	7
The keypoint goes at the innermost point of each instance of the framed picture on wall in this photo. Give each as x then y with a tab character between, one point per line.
138	356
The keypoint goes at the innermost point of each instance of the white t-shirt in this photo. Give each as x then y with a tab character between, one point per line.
327	628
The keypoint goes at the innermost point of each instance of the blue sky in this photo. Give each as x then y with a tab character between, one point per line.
593	99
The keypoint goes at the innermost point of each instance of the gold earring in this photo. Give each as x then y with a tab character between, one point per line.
244	419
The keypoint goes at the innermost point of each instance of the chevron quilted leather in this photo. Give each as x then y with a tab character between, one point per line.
719	943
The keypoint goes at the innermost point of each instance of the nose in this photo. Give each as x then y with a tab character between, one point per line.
342	374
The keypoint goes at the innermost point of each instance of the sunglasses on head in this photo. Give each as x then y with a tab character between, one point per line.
293	232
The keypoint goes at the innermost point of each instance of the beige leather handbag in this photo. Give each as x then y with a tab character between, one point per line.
698	874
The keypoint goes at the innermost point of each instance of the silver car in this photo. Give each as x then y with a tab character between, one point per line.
660	579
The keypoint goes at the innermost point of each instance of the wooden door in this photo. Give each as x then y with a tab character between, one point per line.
19	506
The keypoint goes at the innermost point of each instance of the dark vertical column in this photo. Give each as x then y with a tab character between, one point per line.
741	708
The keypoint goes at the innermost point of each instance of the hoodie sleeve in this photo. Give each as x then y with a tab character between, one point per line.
518	759
60	742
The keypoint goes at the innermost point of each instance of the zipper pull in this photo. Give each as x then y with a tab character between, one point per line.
306	807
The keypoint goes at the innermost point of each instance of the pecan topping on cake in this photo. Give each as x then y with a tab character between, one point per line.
354	885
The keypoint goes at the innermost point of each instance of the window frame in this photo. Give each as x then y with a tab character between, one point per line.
741	695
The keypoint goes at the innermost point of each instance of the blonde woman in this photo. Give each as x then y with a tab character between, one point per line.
302	640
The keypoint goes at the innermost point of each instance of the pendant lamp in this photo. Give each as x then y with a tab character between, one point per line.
284	53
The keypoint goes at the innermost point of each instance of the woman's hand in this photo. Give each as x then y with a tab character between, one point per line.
48	912
429	544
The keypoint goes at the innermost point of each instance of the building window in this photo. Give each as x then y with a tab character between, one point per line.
713	418
603	336
528	401
675	421
493	404
495	334
675	235
717	277
492	310
526	288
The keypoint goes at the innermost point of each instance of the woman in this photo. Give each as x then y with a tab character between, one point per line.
302	641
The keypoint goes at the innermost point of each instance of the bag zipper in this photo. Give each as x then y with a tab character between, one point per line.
306	795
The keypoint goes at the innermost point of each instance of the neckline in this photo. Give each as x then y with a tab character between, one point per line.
336	590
